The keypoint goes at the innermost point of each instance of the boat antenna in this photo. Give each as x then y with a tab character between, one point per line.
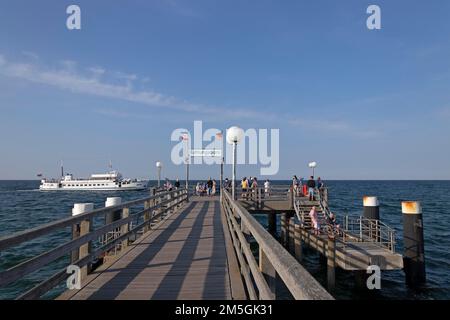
62	169
110	165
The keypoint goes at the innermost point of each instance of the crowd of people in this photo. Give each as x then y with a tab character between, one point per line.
307	189
250	185
208	188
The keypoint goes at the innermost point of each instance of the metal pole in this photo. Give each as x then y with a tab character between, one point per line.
233	187
187	178
221	179
159	177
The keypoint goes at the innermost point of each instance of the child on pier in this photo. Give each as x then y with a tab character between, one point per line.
314	220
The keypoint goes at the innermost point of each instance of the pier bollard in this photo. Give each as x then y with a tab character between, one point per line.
413	243
292	235
111	217
331	262
79	230
283	229
372	211
298	243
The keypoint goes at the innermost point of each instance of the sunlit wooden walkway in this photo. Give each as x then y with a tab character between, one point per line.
184	257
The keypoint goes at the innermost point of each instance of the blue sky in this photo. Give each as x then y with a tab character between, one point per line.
363	104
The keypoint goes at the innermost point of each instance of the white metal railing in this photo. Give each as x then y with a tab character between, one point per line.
360	229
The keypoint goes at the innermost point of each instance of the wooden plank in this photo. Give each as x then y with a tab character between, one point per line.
183	258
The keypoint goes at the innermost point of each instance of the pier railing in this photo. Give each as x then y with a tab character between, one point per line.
154	207
360	229
273	261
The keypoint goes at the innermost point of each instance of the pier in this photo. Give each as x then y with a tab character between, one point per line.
175	245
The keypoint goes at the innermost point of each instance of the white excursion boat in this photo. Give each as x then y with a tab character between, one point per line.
111	181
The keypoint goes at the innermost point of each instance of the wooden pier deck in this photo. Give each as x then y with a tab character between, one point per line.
183	257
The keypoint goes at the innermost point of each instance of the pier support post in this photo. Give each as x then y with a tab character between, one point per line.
110	217
413	243
331	262
291	235
269	272
283	229
298	243
79	230
372	211
272	223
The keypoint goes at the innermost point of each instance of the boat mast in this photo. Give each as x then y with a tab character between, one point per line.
62	169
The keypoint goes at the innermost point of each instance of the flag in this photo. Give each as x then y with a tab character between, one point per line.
39	175
184	136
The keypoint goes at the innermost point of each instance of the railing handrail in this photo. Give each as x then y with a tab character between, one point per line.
300	283
37	262
384	234
39	231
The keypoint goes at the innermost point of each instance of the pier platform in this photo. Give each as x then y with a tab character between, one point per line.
183	257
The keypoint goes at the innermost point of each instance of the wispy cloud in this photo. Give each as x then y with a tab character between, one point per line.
67	76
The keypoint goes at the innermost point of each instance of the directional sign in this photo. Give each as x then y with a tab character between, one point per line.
205	153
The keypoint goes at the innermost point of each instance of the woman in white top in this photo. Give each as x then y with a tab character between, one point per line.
267	187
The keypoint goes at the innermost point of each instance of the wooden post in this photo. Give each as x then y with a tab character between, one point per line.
125	227
291	235
79	230
269	272
298	243
147	216
272	223
413	243
331	262
283	229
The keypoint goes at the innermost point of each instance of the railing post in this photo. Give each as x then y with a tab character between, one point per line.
298	243
125	228
147	216
80	230
331	262
291	235
269	273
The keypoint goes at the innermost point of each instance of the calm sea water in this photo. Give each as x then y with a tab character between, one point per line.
23	207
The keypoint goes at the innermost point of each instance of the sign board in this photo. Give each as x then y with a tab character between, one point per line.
205	153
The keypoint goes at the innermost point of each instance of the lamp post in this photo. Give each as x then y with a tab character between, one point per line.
159	167
234	136
312	165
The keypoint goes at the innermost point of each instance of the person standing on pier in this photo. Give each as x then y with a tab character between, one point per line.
244	186
319	183
295	183
254	187
214	186
314	220
267	187
209	186
177	184
311	187
227	184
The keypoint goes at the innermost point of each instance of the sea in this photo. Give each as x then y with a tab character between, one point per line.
23	206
